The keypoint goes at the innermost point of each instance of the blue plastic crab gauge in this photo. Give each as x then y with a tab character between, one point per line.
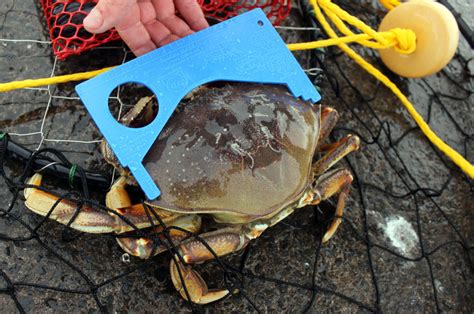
246	49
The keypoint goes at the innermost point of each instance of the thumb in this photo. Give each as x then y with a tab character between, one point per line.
106	14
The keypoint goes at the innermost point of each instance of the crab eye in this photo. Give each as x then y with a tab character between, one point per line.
133	105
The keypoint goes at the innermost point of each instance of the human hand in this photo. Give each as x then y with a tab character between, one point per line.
145	25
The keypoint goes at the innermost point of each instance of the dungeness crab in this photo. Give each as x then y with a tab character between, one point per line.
239	153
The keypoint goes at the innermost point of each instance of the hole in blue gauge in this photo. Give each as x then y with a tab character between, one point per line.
133	104
260	23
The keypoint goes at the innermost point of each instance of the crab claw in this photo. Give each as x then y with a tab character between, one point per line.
87	220
191	283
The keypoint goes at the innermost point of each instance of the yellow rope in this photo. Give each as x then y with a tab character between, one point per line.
6	87
389	4
402	40
329	8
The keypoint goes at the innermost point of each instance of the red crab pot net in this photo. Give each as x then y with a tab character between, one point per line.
68	36
276	10
65	22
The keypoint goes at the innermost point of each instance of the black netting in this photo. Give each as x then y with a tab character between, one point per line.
404	243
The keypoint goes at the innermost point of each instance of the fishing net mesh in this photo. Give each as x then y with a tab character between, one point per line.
404	243
66	29
69	37
276	10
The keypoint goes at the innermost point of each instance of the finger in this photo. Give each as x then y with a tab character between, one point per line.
165	13
170	38
133	32
163	8
106	14
177	26
144	49
137	39
192	14
158	32
147	11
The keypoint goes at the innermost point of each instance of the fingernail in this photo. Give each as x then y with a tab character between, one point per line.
94	20
145	49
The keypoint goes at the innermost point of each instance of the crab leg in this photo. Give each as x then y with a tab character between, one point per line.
209	245
145	247
89	219
336	152
221	242
338	181
329	117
